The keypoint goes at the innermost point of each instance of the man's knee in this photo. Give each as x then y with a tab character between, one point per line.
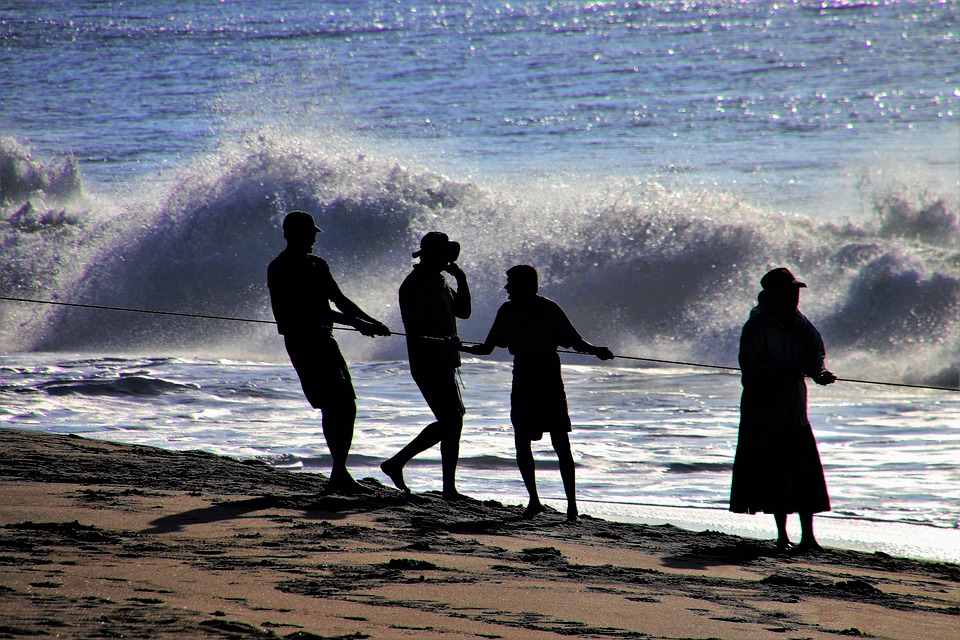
560	441
451	432
339	410
522	443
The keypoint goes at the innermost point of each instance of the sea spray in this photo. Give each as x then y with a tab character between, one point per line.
648	267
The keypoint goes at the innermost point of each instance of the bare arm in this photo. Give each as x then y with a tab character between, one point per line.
482	349
583	346
351	314
462	306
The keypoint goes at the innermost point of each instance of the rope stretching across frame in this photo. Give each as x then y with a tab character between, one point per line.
397	333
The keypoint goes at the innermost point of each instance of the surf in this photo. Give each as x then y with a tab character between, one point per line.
650	266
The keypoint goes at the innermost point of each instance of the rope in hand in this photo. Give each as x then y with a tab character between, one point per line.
397	333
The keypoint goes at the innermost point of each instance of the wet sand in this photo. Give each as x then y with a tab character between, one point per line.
100	540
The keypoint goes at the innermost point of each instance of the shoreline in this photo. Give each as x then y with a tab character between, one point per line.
99	539
909	540
916	541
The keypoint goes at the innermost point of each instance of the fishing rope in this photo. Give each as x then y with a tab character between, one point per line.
398	333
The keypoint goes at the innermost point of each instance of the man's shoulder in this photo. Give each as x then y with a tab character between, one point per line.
803	324
419	279
507	308
410	277
287	258
409	282
546	306
276	267
546	302
288	266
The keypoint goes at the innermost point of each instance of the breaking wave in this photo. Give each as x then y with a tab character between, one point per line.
652	268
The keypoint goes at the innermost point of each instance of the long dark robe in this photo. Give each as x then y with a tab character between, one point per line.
777	467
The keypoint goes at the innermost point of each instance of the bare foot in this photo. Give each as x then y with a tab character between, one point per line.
573	514
454	496
784	545
345	484
395	473
809	546
533	509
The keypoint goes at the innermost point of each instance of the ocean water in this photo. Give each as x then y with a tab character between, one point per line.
652	159
651	444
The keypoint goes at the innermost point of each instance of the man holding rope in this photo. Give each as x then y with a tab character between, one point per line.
429	307
533	328
301	290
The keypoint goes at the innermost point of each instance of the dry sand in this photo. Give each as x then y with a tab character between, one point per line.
99	540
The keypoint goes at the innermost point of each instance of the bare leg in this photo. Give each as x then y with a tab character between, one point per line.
393	468
450	457
447	435
783	539
807	540
338	422
439	389
561	444
529	474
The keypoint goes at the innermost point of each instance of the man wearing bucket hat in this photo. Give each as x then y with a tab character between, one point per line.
301	290
777	466
429	307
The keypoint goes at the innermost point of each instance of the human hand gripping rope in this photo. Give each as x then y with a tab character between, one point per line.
380	329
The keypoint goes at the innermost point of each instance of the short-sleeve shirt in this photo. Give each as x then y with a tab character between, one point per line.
301	287
533	330
428	309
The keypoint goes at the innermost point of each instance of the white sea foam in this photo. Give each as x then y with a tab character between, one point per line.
651	443
651	269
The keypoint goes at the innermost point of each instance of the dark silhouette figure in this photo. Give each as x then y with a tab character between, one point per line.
777	466
429	307
301	290
533	328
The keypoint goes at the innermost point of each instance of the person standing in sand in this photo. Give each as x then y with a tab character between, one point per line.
301	290
777	465
533	328
429	307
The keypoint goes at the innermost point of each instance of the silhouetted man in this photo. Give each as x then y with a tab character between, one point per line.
301	290
533	328
429	307
777	466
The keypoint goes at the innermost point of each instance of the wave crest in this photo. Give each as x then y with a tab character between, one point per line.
650	268
21	176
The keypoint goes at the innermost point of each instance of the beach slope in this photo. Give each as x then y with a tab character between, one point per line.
101	540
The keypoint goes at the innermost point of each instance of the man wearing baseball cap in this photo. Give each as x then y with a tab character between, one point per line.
301	291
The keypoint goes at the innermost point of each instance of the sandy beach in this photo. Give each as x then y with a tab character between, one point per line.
99	540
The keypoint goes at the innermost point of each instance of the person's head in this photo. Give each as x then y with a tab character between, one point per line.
781	288
521	281
437	249
300	229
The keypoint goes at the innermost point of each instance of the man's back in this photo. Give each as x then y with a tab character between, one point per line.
300	289
534	324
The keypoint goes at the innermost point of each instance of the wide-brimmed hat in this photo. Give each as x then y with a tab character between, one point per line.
298	221
779	279
438	244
